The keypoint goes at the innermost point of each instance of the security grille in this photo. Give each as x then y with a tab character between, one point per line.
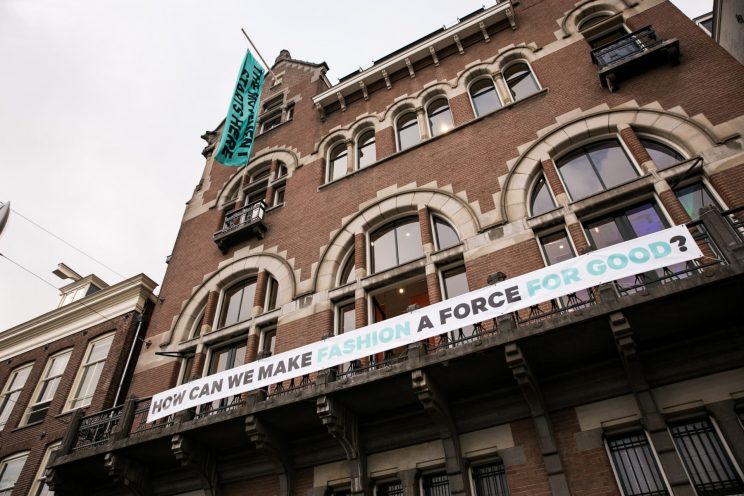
436	484
635	465
710	468
490	480
391	488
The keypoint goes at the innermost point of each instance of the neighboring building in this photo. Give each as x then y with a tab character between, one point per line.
725	23
519	137
78	356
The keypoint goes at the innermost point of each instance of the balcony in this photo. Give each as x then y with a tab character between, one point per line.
631	54
380	396
242	224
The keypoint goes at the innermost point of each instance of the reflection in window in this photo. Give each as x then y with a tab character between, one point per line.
693	198
396	243
337	163
272	291
662	155
12	391
237	305
596	167
346	318
408	131
90	372
367	153
440	117
484	96
556	247
520	80
225	358
542	200
635	465
445	233
10	470
50	380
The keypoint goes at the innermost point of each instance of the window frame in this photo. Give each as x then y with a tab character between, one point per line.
358	147
703	181
220	318
272	293
532	74
427	111
433	218
388	482
40	479
495	89
82	368
429	475
4	465
338	314
666	143
349	258
43	379
652	450
416	123
338	145
395	222
531	195
262	336
486	463
6	392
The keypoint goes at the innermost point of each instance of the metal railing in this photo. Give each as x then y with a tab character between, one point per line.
560	306
280	388
250	214
461	336
735	218
626	47
373	362
220	406
140	423
96	429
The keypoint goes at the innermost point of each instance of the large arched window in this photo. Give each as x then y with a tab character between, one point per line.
484	96
541	200
595	167
237	305
440	117
408	131
256	189
520	80
337	162
366	151
662	155
395	243
446	235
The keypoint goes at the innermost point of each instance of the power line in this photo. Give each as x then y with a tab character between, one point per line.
50	284
65	242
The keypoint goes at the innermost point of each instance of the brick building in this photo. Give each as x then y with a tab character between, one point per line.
79	355
524	135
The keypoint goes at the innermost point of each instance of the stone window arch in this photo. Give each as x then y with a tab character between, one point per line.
439	116
366	148
407	132
520	79
483	96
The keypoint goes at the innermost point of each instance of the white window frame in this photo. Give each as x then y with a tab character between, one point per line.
362	133
531	191
3	466
7	392
428	117
84	366
496	89
43	379
262	336
40	480
532	72
397	129
339	143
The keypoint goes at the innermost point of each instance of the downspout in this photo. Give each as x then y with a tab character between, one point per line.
141	320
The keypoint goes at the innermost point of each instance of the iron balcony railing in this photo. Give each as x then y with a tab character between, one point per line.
140	423
626	47
735	218
250	214
96	429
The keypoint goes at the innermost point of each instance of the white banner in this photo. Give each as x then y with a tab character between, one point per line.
654	251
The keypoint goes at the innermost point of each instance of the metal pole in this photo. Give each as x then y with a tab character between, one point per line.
258	53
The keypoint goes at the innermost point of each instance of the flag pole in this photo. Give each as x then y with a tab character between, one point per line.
268	68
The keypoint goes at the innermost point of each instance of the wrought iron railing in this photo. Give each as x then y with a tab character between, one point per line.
560	306
735	218
140	423
220	406
461	336
626	47
96	429
373	362
281	388
250	214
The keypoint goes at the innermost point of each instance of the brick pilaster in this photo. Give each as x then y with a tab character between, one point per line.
674	207
251	347
639	152
433	289
578	237
360	312
210	310
197	366
360	254
385	142
427	237
550	171
259	296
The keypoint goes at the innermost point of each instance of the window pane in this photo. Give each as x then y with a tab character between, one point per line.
348	273
440	117
232	307
272	294
693	198
337	163
645	219
383	249
99	349
367	150
446	234
635	465
604	233
663	156
408	131
409	241
9	472
484	97
613	166
520	80
238	304
88	384
556	248
455	282
542	201
579	176
490	480
392	488
347	318
436	485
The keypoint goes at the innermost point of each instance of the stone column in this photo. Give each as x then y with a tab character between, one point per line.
501	88
350	162
423	127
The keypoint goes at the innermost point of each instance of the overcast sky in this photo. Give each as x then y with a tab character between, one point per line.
102	104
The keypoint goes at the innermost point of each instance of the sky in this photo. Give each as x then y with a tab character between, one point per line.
102	104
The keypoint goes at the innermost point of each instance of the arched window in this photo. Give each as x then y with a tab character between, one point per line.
281	170
595	167
662	155
445	234
337	162
484	97
440	117
520	80
272	292
408	131
196	330
541	200
366	151
237	304
395	243
348	273
256	189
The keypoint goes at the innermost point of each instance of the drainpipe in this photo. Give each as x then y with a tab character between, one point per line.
141	320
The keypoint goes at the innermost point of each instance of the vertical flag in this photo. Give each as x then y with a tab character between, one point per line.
240	125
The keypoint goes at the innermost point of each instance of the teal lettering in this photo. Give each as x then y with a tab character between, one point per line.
660	249
639	255
617	261
596	267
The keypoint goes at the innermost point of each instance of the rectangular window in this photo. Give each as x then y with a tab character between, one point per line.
90	372
557	248
635	466
389	488
271	122
47	387
490	480
10	469
268	341
279	196
708	464
12	391
186	365
455	283
346	318
39	488
435	484
272	291
693	198
225	358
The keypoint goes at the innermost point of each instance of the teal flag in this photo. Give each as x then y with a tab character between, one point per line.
240	125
